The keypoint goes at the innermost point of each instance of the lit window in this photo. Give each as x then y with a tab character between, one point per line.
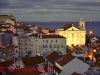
72	35
4	54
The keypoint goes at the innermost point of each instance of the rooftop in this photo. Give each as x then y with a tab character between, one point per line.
6	63
33	61
52	57
47	36
65	59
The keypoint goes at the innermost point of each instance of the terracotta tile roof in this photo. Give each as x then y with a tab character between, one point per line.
68	51
52	57
51	31
7	63
10	47
20	72
47	36
32	61
74	73
67	26
8	31
18	27
65	59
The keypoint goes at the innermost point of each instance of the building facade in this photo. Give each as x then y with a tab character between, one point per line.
42	44
74	36
7	19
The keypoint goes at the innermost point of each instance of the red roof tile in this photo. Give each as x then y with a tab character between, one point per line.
47	36
7	63
52	57
33	61
67	26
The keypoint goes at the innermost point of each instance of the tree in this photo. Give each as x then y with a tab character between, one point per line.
87	40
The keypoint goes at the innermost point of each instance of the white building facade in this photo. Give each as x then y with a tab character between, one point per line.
43	44
74	36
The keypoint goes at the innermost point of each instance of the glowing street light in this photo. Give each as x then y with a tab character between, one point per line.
91	32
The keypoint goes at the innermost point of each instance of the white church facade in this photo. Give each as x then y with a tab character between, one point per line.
74	36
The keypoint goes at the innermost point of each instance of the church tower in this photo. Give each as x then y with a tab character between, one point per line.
81	24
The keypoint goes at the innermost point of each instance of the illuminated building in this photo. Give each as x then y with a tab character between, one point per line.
74	36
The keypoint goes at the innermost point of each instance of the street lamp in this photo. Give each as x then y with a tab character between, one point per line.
90	32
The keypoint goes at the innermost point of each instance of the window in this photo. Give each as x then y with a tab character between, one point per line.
58	46
72	44
16	46
62	46
77	36
50	46
29	52
51	41
46	41
25	44
43	46
46	46
16	51
54	45
56	41
72	29
72	35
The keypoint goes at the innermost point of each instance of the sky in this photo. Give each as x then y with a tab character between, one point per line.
51	10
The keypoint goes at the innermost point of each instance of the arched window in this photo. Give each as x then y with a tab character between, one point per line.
82	25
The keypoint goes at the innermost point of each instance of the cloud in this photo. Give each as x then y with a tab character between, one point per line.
49	7
4	4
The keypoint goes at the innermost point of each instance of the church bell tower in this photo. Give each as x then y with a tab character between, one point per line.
81	24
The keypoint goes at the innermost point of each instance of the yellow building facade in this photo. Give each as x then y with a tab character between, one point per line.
74	36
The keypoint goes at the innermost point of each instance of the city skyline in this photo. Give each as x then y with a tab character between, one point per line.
51	10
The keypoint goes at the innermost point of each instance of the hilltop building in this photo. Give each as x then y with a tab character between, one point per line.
7	19
74	36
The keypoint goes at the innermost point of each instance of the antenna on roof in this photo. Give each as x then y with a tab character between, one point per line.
60	59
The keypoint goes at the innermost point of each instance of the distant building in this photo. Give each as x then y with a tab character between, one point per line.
7	19
6	51
15	42
6	38
74	36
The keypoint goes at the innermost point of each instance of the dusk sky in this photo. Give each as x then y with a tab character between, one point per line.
51	10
